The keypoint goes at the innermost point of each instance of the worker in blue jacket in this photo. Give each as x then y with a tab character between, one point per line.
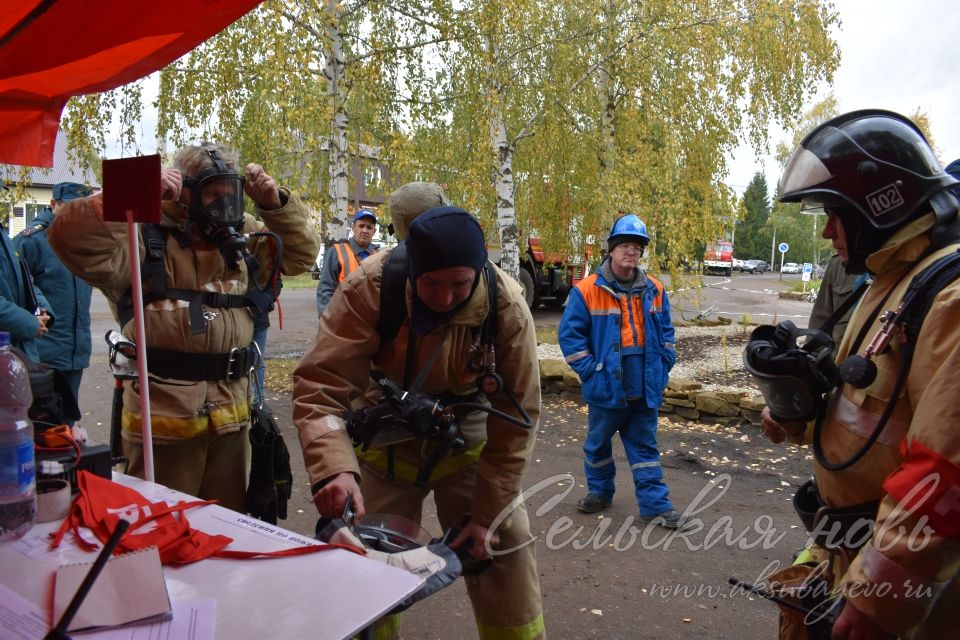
67	345
24	311
617	335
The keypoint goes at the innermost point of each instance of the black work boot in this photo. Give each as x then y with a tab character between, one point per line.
592	504
671	519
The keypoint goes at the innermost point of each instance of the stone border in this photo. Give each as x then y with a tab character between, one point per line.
683	398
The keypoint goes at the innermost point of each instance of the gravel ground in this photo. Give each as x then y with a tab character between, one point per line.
703	355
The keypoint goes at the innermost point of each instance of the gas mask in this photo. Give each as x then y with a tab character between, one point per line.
793	378
216	207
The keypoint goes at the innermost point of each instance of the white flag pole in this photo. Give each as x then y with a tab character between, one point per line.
137	287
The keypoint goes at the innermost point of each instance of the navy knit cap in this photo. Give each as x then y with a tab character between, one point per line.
445	237
441	238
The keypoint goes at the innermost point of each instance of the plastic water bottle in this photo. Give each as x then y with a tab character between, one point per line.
18	497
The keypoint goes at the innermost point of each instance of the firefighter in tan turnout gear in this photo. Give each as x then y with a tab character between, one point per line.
460	320
198	294
887	445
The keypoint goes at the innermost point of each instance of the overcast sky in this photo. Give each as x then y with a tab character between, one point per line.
894	55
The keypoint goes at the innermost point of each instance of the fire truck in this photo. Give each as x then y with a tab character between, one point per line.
718	257
546	278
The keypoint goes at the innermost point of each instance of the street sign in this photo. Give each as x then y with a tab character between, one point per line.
805	276
784	247
807	267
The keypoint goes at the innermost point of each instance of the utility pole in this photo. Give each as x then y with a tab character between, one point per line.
773	247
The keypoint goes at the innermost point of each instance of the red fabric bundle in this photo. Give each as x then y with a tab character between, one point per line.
101	503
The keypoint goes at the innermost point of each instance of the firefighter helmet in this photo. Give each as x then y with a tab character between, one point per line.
874	168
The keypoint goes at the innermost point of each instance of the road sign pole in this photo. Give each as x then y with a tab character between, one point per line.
784	247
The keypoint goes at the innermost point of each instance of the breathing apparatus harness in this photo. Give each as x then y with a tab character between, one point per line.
220	220
795	380
842	530
402	415
905	321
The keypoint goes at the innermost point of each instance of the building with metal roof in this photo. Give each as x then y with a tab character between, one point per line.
37	188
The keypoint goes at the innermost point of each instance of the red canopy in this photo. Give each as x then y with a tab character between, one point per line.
51	50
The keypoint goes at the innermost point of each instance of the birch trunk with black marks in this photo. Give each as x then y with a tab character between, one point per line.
337	187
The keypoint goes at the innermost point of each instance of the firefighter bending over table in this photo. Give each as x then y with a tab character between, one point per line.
462	336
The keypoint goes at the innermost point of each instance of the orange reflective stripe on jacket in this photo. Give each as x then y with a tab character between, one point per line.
602	300
348	261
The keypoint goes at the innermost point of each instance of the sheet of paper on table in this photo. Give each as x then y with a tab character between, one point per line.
20	619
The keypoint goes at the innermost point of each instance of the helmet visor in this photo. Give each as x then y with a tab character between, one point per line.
804	170
221	197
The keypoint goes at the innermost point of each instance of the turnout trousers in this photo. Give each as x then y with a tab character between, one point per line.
506	595
637	426
210	467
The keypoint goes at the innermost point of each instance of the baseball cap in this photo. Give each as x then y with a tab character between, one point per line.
364	213
66	191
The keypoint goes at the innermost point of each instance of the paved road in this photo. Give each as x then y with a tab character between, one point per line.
749	295
755	296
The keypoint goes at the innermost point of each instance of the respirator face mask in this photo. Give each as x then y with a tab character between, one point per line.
216	206
793	378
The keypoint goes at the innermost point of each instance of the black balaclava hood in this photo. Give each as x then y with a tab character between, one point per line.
441	238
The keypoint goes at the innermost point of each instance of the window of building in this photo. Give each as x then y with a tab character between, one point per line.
32	209
372	177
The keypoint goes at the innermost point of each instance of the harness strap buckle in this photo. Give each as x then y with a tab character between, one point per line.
232	359
217	299
155	247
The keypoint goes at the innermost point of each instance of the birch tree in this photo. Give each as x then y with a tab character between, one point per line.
546	116
299	86
656	93
680	85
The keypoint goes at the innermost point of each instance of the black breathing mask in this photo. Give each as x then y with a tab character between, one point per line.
793	378
216	206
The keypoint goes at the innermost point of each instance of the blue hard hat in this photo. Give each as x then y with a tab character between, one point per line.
628	228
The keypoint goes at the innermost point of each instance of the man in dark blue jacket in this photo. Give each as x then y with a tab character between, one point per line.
617	335
67	345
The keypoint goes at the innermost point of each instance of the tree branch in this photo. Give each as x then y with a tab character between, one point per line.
523	133
398	48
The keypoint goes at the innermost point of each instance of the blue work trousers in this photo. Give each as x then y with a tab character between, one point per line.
637	425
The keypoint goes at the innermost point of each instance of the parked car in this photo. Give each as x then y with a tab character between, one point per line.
791	267
754	266
738	264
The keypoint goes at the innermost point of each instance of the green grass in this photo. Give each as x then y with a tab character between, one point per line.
796	286
302	281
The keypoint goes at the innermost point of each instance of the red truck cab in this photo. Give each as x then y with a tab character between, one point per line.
718	257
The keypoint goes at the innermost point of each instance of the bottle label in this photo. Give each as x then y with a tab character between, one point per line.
16	467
